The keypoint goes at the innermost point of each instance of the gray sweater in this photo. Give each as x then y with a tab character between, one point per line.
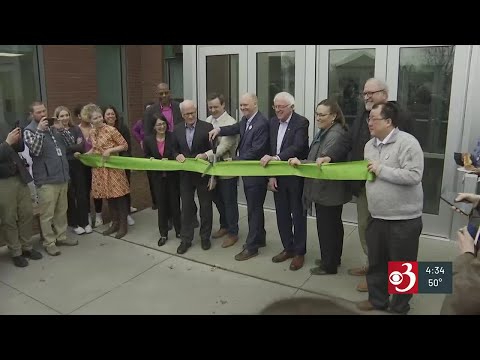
396	193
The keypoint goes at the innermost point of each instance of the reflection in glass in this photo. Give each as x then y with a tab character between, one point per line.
275	73
222	78
424	85
19	84
347	73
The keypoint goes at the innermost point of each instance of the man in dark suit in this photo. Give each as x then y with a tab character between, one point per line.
288	139
191	140
253	130
171	110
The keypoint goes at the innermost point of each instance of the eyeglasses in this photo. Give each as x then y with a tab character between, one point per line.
321	115
372	119
280	107
189	114
370	93
161	124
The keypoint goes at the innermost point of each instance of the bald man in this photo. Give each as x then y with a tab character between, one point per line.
254	143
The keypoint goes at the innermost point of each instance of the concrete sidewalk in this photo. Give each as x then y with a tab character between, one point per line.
103	275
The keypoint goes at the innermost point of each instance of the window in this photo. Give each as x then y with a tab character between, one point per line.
348	72
19	83
109	77
174	70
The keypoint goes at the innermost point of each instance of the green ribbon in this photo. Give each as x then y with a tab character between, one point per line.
353	170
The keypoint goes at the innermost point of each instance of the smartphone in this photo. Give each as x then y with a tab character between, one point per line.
464	207
51	121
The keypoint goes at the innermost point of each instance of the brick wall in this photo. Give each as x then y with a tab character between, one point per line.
144	72
70	75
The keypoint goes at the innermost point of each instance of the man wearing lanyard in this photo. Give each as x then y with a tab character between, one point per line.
47	145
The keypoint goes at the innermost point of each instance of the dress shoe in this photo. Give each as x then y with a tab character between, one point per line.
230	240
362	286
206	244
32	254
366	305
220	233
297	262
154	207
183	247
321	271
245	255
319	262
360	271
284	255
162	240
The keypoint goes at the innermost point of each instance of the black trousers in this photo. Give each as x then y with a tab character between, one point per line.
78	209
290	213
330	235
97	202
189	183
390	240
152	189
168	200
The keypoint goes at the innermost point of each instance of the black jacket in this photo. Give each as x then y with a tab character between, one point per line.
149	121
11	164
200	143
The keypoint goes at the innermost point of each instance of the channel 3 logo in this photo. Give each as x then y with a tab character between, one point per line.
402	277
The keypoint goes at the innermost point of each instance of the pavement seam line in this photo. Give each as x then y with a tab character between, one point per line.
21	292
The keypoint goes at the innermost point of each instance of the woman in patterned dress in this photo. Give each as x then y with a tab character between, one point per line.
110	184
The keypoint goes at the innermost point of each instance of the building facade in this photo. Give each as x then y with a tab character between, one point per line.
436	83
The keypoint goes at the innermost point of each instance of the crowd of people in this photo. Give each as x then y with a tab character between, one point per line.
170	130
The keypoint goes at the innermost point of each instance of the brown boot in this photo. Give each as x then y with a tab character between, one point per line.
113	228
113	210
122	219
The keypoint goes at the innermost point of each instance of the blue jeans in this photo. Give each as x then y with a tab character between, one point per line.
225	198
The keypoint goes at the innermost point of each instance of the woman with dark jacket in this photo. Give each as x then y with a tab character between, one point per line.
331	144
165	183
78	206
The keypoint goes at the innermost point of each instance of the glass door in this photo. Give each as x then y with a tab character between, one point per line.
430	82
342	72
222	69
273	69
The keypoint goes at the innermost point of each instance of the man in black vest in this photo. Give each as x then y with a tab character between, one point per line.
16	211
48	149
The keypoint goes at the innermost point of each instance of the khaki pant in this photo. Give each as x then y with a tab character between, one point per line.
53	206
16	214
362	218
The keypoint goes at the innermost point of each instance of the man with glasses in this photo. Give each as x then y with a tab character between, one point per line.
395	202
288	139
190	140
375	92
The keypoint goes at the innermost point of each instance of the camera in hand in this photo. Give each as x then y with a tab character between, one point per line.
51	120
